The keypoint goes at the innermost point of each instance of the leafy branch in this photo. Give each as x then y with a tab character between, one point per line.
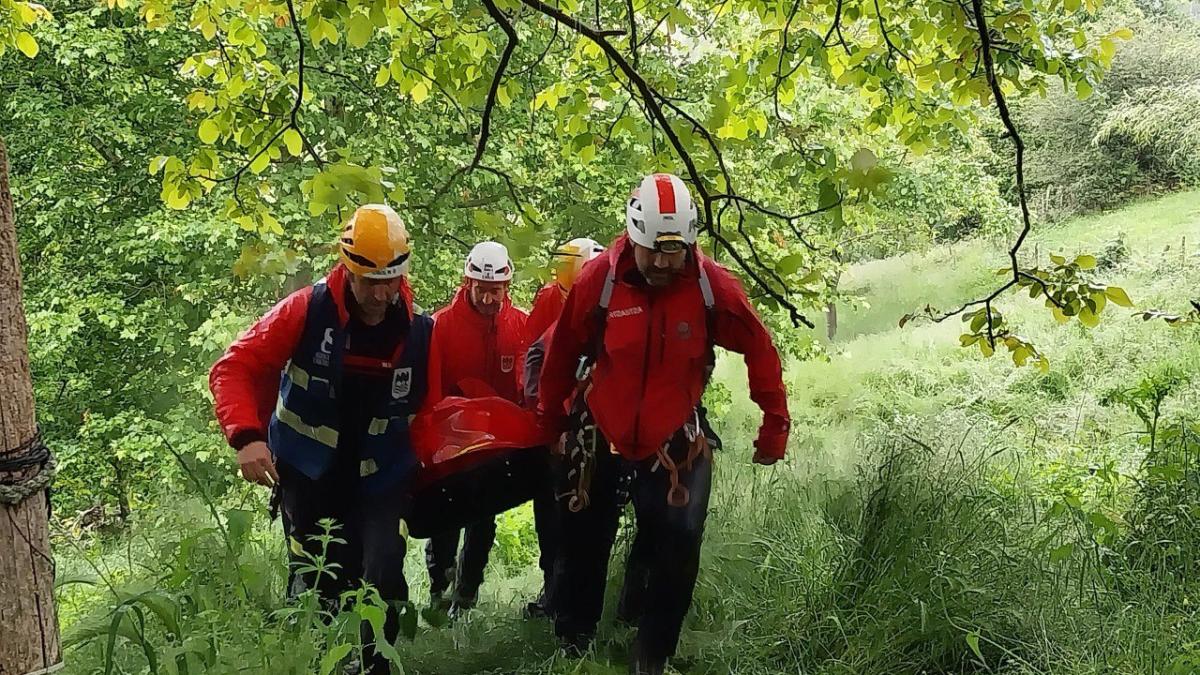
655	104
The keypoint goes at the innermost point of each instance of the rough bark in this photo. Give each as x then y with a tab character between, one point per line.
28	623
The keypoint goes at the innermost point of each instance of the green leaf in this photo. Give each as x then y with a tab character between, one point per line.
1057	259
239	523
420	92
973	643
1021	355
293	141
209	131
789	265
260	163
1118	296
1086	262
1088	318
986	348
1122	34
383	76
1062	552
333	657
27	45
359	31
863	160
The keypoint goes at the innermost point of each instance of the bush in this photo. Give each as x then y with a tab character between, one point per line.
1136	134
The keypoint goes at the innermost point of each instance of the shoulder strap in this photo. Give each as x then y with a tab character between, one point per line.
710	301
601	315
610	280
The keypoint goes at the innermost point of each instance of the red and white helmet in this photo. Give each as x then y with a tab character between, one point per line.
488	261
661	209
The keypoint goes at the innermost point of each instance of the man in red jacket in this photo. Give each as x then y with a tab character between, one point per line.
483	336
569	260
316	399
547	305
640	325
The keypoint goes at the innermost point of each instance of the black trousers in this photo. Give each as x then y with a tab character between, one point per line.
665	559
369	524
477	541
546	524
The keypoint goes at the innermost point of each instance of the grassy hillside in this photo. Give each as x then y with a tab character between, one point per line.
940	512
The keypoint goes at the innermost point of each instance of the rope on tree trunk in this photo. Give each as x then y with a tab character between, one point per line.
15	487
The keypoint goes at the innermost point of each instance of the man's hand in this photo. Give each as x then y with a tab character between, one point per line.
258	466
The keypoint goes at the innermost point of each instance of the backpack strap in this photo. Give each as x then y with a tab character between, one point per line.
588	359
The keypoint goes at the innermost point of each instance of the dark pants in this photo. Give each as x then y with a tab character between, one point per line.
664	560
477	541
546	523
370	526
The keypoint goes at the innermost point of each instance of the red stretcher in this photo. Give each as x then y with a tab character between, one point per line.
479	457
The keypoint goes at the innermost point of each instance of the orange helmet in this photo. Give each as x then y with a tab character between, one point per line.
374	243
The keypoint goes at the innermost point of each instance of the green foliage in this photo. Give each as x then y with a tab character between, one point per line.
17	19
1136	134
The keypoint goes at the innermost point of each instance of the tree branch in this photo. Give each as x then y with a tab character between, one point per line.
986	47
653	102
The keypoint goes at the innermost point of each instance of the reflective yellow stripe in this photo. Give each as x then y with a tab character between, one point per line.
323	435
378	426
298	375
367	467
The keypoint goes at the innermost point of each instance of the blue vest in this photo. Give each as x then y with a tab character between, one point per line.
306	426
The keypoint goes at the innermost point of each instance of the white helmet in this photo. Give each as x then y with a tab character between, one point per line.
571	258
488	261
661	209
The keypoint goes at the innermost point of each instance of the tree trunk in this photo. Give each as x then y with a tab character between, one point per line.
831	320
28	622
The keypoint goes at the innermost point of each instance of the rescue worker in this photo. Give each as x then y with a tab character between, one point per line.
569	260
348	361
639	326
547	305
483	337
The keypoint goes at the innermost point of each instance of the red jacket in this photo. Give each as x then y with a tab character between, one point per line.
485	354
649	374
245	380
547	305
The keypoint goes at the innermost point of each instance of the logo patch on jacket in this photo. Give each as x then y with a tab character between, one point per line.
683	330
401	382
631	311
322	358
507	363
